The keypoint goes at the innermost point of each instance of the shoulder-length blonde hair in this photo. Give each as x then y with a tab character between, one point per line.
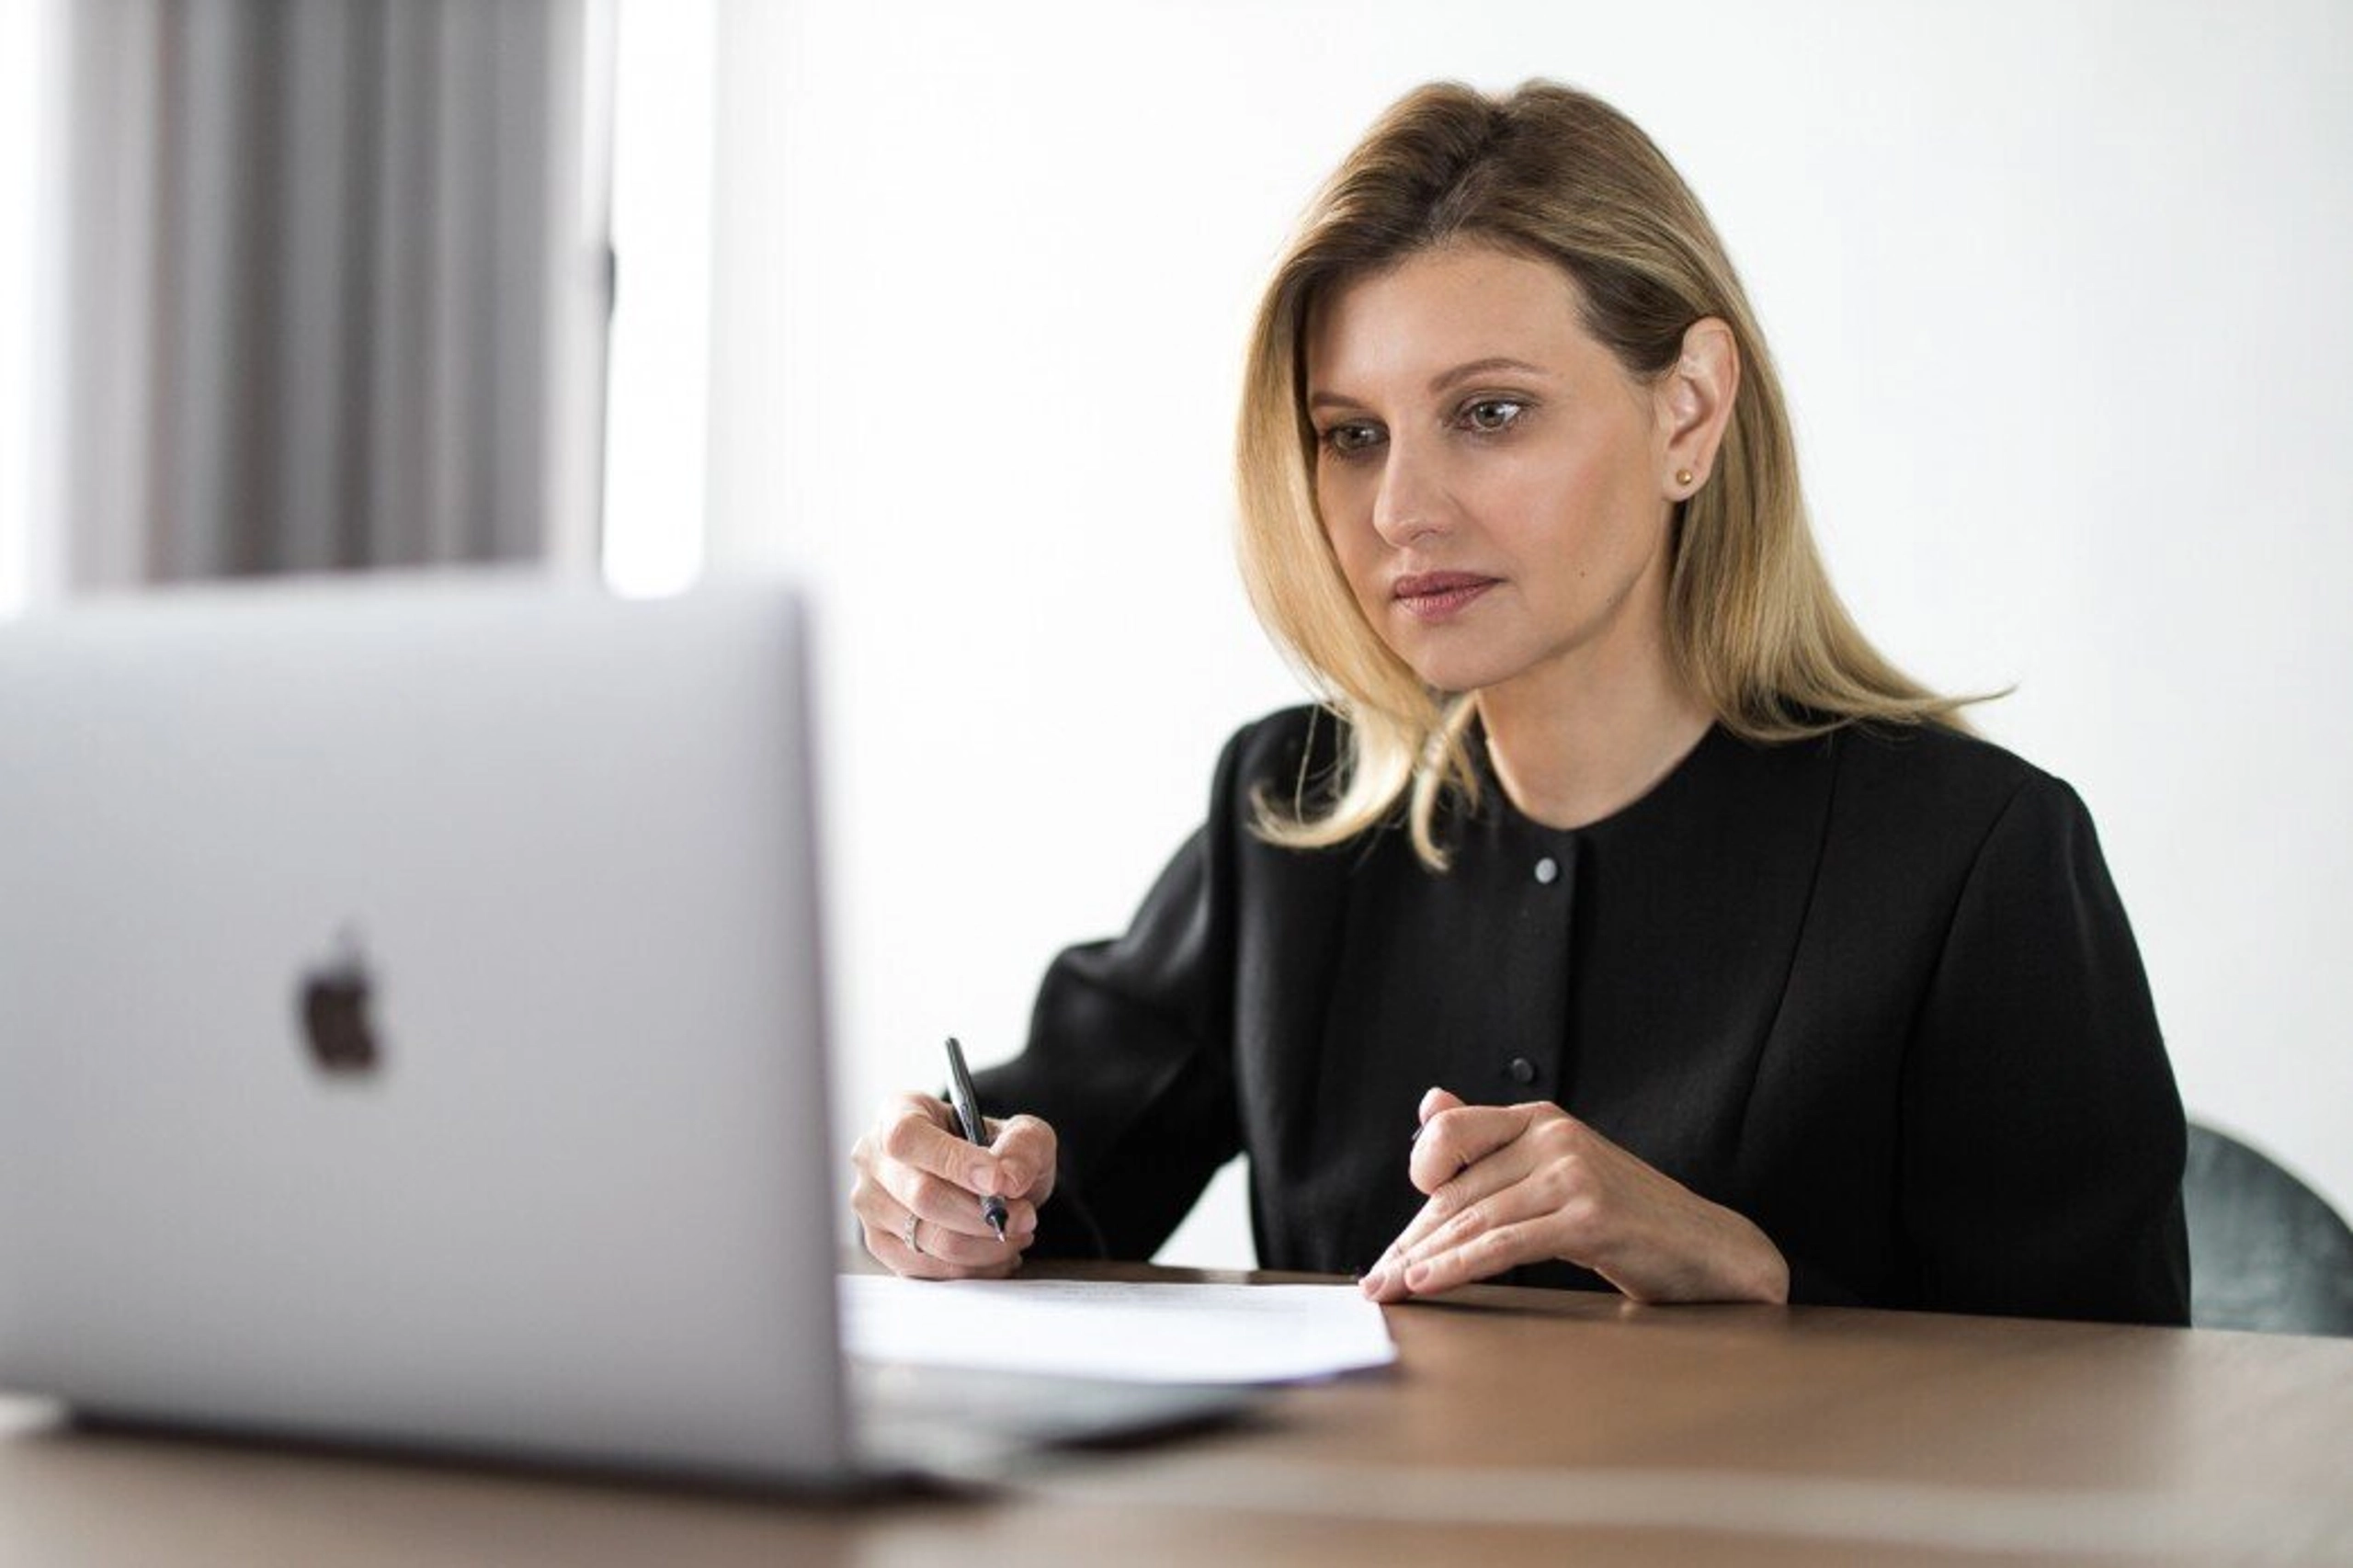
1753	624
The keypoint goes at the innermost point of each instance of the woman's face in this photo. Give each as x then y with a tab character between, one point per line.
1495	486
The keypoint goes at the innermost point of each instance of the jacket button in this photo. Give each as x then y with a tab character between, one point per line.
1522	1070
1548	871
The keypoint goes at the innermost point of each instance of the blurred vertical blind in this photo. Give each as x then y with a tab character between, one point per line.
335	287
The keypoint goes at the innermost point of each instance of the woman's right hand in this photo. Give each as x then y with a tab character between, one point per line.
920	1185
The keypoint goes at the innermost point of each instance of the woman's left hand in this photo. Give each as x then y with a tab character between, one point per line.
1509	1185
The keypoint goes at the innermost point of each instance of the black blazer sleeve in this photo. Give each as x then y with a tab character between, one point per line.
1131	1055
2042	1133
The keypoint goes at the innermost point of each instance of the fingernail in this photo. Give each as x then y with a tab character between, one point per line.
1418	1276
982	1178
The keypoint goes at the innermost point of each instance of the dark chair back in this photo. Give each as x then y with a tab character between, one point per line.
2266	1252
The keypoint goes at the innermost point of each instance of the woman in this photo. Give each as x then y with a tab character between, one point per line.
1620	918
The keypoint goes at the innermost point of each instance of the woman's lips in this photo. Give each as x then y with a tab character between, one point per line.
1438	595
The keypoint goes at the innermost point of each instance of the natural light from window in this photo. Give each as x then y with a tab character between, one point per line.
23	24
658	370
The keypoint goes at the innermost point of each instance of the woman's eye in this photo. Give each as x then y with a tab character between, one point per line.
1347	438
1492	413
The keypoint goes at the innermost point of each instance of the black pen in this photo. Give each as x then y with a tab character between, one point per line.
968	1111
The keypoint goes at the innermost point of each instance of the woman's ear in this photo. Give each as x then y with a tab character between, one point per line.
1692	404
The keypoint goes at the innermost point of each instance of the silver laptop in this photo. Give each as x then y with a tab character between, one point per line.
412	1028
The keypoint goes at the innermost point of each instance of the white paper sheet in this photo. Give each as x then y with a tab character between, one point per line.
1143	1333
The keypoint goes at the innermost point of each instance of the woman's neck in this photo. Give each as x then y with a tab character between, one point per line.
1588	734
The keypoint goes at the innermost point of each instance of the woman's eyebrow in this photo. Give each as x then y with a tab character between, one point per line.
1480	366
1444	378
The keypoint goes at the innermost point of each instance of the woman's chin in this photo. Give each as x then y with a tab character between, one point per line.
1455	675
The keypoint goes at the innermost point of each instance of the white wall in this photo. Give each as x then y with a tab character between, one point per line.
2057	291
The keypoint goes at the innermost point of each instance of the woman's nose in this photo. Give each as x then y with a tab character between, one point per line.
1411	504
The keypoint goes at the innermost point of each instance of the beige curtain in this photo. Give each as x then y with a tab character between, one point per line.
335	289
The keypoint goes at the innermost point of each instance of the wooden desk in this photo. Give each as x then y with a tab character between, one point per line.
1519	1426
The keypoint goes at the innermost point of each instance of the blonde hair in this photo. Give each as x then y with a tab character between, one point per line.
1754	626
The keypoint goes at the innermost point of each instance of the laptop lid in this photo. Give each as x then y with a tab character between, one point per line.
411	1022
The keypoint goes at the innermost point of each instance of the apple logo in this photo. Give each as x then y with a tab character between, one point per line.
334	1006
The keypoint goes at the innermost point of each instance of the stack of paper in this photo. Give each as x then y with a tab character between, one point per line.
1145	1333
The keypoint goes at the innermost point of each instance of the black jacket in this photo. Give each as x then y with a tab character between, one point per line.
1873	991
